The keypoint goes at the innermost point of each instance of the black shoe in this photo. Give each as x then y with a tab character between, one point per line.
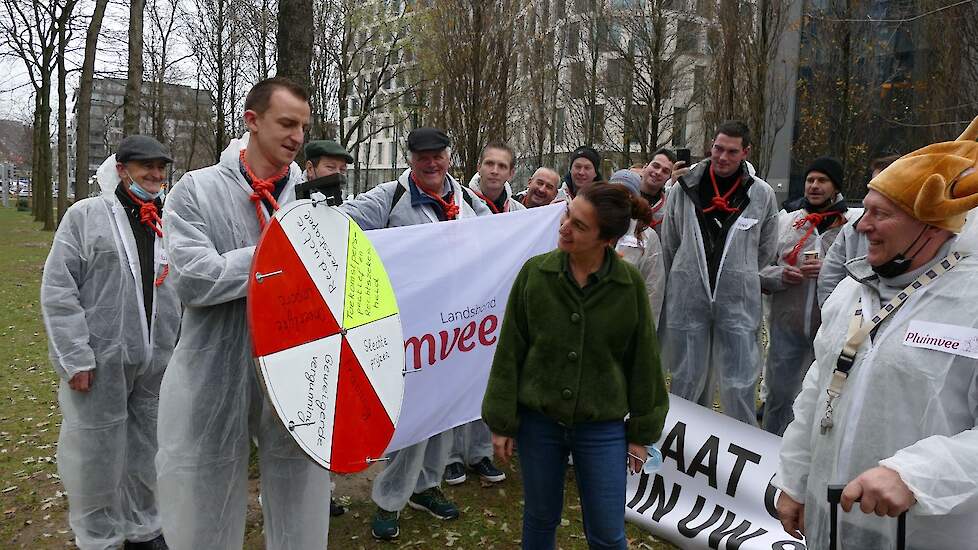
336	509
488	471
159	543
454	474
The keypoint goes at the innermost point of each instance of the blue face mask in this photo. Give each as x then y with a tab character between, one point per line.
142	193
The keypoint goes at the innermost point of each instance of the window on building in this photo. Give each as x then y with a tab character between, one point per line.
617	78
573	38
688	38
699	79
578	80
560	127
679	127
706	8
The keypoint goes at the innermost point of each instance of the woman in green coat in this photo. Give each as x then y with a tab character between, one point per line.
577	371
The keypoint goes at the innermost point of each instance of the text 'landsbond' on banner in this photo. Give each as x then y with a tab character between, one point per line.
714	488
452	282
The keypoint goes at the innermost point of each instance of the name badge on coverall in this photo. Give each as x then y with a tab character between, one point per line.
942	337
744	224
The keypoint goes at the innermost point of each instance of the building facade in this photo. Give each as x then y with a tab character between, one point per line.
178	116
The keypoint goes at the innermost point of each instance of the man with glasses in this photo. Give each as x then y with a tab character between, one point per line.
720	228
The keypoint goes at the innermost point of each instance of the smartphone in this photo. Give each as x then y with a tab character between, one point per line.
682	155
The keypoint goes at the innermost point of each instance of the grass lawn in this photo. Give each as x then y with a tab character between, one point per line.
32	499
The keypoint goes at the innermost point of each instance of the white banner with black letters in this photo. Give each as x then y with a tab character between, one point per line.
713	490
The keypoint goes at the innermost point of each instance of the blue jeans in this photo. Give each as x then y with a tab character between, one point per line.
599	450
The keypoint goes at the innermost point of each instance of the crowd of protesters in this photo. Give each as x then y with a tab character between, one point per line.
662	271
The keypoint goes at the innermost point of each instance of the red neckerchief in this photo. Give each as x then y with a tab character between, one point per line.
150	217
148	213
489	202
449	208
262	188
814	220
658	206
719	201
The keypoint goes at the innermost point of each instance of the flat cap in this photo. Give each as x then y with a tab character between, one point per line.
141	148
327	148
427	139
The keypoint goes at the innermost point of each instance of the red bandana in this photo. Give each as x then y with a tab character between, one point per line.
449	208
719	201
262	188
662	202
148	214
489	203
814	220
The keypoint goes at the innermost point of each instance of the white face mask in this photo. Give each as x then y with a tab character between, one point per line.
142	193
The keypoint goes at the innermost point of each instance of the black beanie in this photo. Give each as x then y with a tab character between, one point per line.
588	153
830	167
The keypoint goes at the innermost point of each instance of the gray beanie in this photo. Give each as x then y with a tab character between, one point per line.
629	179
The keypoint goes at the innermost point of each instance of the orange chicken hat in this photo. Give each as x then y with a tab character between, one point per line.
937	184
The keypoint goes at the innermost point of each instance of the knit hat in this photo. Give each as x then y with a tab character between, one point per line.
830	167
629	179
588	153
937	184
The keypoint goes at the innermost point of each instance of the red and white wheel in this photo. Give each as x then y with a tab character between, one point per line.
327	335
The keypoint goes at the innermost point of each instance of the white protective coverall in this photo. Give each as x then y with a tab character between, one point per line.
646	256
709	337
793	321
92	301
848	245
421	466
511	204
211	404
910	409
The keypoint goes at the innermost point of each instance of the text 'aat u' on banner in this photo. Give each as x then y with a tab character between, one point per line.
713	490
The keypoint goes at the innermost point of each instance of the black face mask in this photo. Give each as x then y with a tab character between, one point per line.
900	264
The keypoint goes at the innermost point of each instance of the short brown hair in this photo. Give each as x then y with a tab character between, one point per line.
502	146
735	129
261	93
880	164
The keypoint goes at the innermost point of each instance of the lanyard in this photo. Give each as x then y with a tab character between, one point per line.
858	331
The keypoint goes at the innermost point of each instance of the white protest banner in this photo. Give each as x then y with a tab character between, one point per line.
452	281
713	490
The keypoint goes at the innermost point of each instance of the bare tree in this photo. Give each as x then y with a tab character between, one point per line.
63	22
214	30
468	64
654	73
534	84
30	34
134	83
83	101
163	17
263	20
370	69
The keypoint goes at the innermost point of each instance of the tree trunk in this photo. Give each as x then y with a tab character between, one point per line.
42	164
134	83
83	104
294	40
63	113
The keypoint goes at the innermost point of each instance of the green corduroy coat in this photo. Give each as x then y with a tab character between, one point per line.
577	356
